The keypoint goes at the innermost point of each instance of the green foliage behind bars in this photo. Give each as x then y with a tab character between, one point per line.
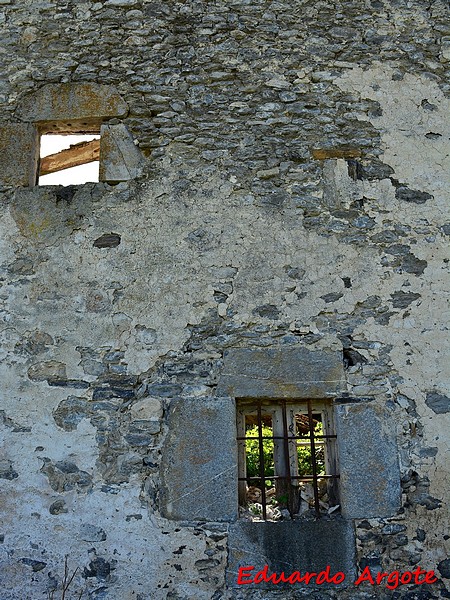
304	455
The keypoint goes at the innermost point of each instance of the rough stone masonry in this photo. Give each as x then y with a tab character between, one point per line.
271	220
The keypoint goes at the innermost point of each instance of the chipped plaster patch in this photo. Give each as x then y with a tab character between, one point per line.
411	108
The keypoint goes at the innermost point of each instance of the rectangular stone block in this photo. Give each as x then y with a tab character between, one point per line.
120	159
287	546
368	462
293	373
68	102
19	149
199	464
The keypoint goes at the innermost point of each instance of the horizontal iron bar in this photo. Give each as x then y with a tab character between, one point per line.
280	437
305	478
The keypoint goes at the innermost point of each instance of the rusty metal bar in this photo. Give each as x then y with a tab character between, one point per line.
299	477
290	437
313	460
261	463
287	462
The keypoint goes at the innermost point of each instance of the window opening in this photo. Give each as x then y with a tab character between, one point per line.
69	159
286	459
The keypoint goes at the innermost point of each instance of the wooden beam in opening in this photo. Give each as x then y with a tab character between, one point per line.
326	153
78	154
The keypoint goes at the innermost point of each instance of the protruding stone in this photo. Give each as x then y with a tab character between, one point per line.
120	159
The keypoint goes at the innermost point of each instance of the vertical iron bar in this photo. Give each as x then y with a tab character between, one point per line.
313	460
261	462
287	462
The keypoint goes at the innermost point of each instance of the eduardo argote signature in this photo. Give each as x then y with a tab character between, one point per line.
391	580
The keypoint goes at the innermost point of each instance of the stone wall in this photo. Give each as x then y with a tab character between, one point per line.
283	185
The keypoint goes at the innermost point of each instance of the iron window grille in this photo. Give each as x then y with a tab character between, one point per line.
290	445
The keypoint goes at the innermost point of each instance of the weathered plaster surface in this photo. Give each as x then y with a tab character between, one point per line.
412	108
294	194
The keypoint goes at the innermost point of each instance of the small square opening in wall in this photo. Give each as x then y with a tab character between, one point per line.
286	459
69	159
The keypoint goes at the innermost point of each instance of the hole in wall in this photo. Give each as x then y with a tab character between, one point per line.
69	159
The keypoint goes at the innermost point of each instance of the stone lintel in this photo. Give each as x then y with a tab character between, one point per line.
291	373
72	101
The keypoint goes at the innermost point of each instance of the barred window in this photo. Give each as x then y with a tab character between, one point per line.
286	459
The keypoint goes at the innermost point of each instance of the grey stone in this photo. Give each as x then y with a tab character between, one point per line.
293	372
7	471
444	568
385	237
64	476
294	272
58	507
50	369
402	299
121	159
393	528
373	170
428	452
439	403
287	546
19	149
368	462
36	565
332	297
149	426
92	533
107	240
198	481
268	311
122	3
138	439
21	266
98	568
414	265
107	392
164	390
74	104
415	196
36	342
92	367
70	412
